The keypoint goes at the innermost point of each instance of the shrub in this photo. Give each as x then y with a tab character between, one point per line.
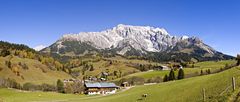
11	83
155	80
136	80
60	86
151	80
158	79
30	87
68	88
47	87
78	87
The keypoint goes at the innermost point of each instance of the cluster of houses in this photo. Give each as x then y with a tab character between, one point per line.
94	86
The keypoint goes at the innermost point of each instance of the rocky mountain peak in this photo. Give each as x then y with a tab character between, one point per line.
130	40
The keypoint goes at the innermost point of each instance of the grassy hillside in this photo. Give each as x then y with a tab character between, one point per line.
213	65
105	66
187	90
37	73
24	64
120	65
136	61
12	95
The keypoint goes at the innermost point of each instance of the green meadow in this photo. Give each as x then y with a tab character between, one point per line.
212	65
187	90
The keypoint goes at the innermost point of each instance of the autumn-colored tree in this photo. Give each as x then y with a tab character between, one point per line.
15	70
68	88
58	65
5	53
91	68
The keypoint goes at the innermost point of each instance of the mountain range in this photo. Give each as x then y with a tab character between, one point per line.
140	41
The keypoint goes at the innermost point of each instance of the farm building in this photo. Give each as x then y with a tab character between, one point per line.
94	88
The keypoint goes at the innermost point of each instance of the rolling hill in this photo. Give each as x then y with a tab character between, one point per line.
23	64
187	90
36	73
214	66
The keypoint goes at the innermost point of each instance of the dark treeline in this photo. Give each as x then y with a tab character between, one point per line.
11	83
70	87
7	45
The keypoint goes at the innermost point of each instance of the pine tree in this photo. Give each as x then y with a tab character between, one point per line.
180	74
238	60
165	79
172	75
202	72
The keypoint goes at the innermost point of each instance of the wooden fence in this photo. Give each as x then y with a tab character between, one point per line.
228	88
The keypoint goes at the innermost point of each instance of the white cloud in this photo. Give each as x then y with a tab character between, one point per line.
39	47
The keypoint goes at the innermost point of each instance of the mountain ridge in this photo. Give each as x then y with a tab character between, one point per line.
125	39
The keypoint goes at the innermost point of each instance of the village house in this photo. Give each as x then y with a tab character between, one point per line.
94	88
125	84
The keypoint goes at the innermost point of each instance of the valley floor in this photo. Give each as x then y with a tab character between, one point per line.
187	90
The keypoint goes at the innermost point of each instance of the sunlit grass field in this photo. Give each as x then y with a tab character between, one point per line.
212	65
187	90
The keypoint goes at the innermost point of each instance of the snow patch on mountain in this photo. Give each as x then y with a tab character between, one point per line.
184	37
39	47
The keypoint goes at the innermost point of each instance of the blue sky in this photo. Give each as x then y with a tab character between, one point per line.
42	22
